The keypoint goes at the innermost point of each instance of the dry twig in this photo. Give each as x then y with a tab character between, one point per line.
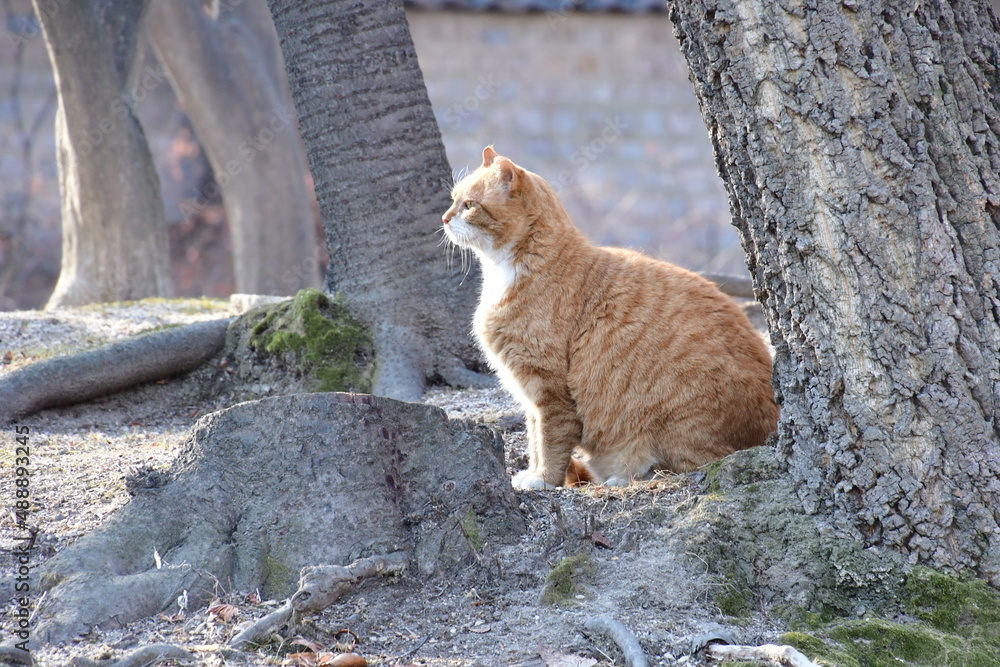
264	626
147	656
780	655
319	587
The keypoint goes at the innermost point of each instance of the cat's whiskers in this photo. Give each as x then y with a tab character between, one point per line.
466	265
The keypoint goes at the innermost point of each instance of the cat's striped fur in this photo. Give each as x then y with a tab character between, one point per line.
640	364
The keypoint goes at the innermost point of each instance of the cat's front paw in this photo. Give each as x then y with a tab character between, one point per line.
529	480
618	480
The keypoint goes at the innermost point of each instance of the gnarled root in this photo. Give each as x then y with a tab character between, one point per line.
319	587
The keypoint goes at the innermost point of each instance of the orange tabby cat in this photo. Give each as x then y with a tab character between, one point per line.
640	364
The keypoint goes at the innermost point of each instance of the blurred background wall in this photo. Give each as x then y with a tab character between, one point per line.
594	96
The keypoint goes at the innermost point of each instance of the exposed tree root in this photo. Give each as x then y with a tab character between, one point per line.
322	585
779	655
147	656
626	641
11	655
80	377
265	626
319	587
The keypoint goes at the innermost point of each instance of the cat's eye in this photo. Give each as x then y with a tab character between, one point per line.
466	205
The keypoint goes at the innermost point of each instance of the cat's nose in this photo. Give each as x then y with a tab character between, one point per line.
445	219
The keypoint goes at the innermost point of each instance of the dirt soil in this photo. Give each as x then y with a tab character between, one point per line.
631	567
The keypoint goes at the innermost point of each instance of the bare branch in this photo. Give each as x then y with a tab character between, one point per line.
779	655
265	626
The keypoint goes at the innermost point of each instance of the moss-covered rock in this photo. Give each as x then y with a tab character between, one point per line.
308	343
470	526
750	527
850	606
945	622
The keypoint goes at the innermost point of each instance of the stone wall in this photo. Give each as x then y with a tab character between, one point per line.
598	104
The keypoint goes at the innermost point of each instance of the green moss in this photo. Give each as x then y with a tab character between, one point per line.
319	337
562	585
734	600
821	652
191	306
159	327
958	625
472	531
878	642
968	608
712	484
275	574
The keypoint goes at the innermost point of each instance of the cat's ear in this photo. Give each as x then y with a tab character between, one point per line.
510	175
489	155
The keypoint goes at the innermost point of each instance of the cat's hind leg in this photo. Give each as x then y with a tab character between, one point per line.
614	469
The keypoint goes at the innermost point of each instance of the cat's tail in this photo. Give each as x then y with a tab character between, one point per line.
578	474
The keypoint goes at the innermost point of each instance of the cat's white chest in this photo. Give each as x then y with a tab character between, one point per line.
498	276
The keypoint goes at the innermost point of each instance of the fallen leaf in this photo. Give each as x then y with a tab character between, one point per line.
304	659
254	598
176	618
480	629
599	539
348	660
315	647
224	611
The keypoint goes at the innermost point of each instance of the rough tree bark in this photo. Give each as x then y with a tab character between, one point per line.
860	144
255	496
382	182
114	234
227	69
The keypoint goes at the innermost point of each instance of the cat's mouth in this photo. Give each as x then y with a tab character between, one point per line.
458	232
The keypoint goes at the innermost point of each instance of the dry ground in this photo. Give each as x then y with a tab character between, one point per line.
637	572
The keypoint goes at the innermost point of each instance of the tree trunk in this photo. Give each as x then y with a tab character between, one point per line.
228	71
255	496
114	233
382	182
860	144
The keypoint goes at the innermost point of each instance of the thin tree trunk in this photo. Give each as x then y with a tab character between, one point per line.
860	143
114	234
228	71
382	181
